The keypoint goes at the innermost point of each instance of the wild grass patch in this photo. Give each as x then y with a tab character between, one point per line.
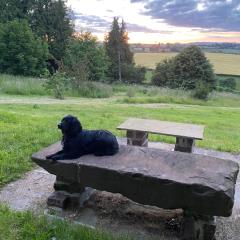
18	85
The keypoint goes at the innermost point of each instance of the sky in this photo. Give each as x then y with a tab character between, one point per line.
154	21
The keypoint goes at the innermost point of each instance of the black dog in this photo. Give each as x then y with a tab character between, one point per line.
78	142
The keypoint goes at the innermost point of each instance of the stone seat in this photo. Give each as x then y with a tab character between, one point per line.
198	184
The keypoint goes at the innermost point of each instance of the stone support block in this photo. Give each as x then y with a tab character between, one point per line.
184	144
198	227
137	138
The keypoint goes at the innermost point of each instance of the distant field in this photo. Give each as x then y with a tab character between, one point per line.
228	64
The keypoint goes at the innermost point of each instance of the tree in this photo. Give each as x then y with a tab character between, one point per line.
48	19
51	21
163	75
122	66
83	53
15	9
192	66
21	52
112	45
125	53
188	70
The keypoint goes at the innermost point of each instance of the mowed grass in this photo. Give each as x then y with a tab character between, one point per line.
223	63
26	128
27	226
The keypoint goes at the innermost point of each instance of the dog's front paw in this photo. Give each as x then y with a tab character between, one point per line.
52	157
49	156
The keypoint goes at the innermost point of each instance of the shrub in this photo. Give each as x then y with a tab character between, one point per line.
132	73
201	91
130	92
21	52
57	84
163	75
228	84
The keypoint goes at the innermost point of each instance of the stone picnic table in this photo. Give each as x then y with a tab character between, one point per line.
138	130
202	186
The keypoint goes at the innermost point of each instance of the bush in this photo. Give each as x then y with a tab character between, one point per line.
201	91
21	52
185	70
228	84
132	73
130	92
57	84
163	75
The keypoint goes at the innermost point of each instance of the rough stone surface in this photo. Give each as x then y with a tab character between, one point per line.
170	180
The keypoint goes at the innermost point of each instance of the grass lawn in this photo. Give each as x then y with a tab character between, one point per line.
27	226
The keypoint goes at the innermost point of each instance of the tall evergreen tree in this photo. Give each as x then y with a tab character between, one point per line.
117	48
112	44
126	54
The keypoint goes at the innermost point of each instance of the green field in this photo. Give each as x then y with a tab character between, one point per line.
223	63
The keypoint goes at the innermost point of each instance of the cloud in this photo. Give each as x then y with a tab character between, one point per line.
91	20
132	27
99	25
206	14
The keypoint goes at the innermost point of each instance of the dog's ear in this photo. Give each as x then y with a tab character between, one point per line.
70	126
76	126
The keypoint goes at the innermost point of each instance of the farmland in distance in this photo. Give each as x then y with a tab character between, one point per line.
227	64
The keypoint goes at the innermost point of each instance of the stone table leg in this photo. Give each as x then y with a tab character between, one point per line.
184	144
197	227
137	138
67	194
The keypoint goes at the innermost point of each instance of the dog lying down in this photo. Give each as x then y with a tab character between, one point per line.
78	142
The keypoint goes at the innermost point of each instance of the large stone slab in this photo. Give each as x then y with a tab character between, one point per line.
200	184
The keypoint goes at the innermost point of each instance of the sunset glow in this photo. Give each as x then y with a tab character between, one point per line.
153	21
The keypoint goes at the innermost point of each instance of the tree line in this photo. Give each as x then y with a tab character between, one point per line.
38	36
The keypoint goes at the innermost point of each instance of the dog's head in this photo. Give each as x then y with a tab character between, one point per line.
70	126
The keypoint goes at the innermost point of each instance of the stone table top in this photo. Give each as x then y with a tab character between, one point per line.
155	177
163	127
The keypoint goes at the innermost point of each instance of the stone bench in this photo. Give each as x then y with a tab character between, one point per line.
138	130
202	186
